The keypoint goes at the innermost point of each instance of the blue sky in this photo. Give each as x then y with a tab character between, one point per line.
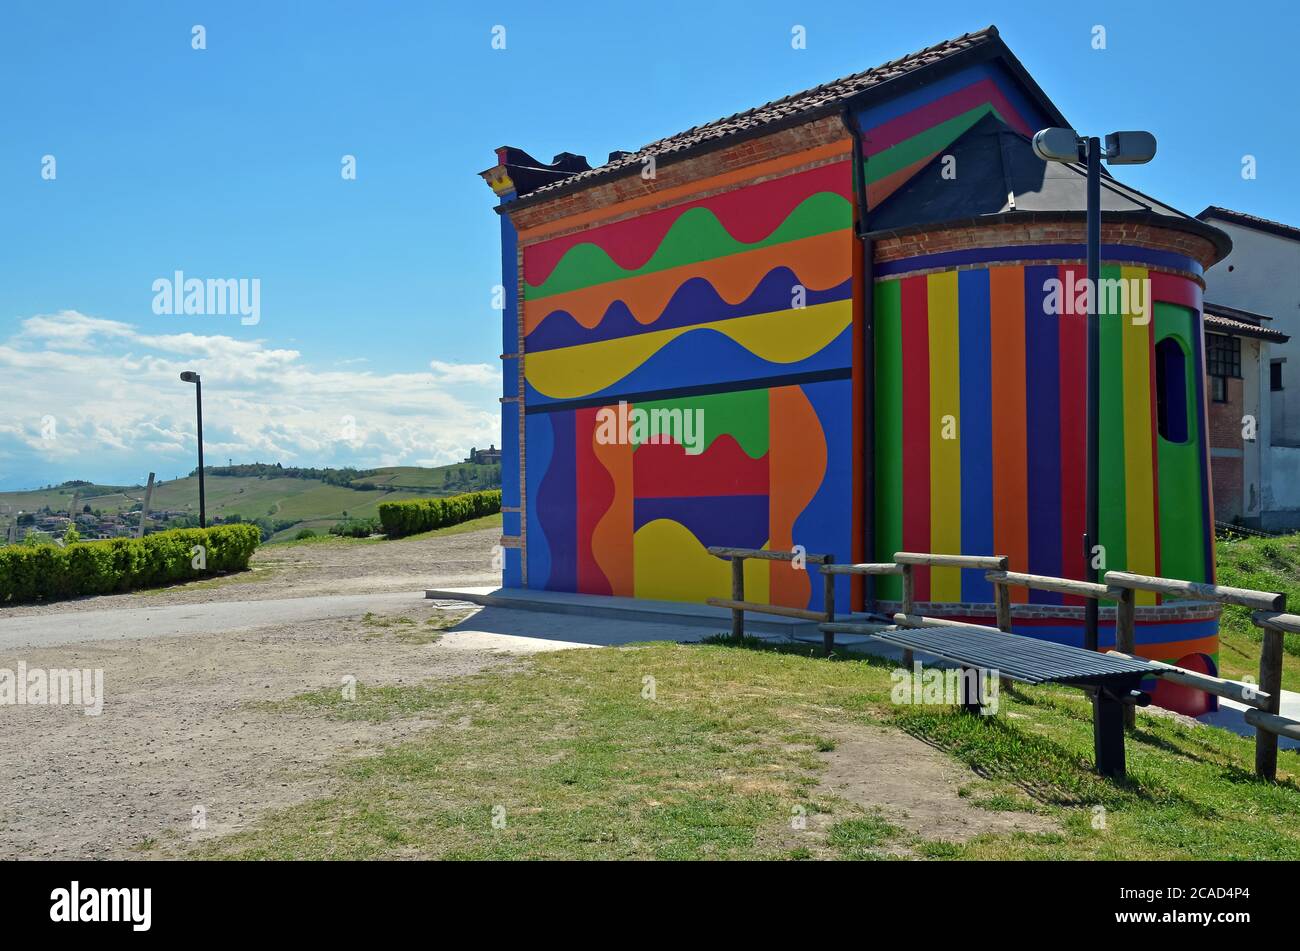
377	343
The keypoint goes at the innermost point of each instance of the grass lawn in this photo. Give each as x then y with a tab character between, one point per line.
576	754
1267	564
473	525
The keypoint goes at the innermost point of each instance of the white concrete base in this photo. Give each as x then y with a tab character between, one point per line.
708	619
1231	715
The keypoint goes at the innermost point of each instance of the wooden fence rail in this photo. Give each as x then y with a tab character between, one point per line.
911	560
1267	728
739	605
1121	587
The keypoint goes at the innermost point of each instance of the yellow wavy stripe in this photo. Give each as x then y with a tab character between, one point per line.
670	564
785	336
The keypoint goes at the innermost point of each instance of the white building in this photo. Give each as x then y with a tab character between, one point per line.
1258	283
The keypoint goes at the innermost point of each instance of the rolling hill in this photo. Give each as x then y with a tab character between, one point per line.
289	504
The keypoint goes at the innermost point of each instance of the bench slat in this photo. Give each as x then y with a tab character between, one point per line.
1016	657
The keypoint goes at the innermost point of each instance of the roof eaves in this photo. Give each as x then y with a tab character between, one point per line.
1253	222
1236	313
1237	328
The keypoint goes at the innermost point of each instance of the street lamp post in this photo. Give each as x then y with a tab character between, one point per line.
1122	148
189	376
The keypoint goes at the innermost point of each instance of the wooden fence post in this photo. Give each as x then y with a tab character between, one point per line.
1270	681
737	594
828	595
909	607
1002	601
1126	639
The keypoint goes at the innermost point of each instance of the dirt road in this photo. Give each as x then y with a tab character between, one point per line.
182	749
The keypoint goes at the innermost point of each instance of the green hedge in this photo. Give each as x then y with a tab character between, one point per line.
422	515
50	573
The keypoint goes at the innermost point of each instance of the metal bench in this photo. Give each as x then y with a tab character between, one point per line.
1112	681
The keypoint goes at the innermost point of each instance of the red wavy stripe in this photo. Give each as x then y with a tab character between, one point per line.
665	471
749	214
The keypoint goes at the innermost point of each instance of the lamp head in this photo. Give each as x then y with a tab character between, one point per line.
1130	148
189	376
1058	145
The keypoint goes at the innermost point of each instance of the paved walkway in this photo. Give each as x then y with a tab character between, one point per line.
220	617
212	617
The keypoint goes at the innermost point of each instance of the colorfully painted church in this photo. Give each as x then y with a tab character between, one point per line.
847	320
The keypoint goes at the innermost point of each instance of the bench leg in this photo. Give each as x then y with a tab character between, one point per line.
971	681
737	594
1108	733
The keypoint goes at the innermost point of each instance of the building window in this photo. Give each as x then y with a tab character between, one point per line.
1275	375
1219	389
1171	390
1223	355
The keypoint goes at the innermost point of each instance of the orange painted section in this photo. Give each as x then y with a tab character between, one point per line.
1170	651
609	547
881	189
796	461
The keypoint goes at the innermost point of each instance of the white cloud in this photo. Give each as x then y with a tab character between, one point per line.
117	404
479	374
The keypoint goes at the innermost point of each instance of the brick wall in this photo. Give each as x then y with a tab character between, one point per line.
1147	613
1226	472
1036	232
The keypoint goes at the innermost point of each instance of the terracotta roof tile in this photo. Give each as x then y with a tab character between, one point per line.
1214	323
819	98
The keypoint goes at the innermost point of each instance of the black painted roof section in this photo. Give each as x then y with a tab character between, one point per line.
990	172
894	77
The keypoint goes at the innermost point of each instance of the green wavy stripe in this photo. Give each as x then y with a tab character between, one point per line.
696	236
742	414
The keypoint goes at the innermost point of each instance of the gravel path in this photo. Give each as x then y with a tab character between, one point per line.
181	728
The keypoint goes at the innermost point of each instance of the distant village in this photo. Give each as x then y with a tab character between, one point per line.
93	526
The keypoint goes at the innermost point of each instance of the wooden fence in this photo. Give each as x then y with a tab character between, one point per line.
1121	587
738	604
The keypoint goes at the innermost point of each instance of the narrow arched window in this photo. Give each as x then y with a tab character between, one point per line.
1171	390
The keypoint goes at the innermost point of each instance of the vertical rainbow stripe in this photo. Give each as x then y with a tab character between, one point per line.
943	338
979	348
